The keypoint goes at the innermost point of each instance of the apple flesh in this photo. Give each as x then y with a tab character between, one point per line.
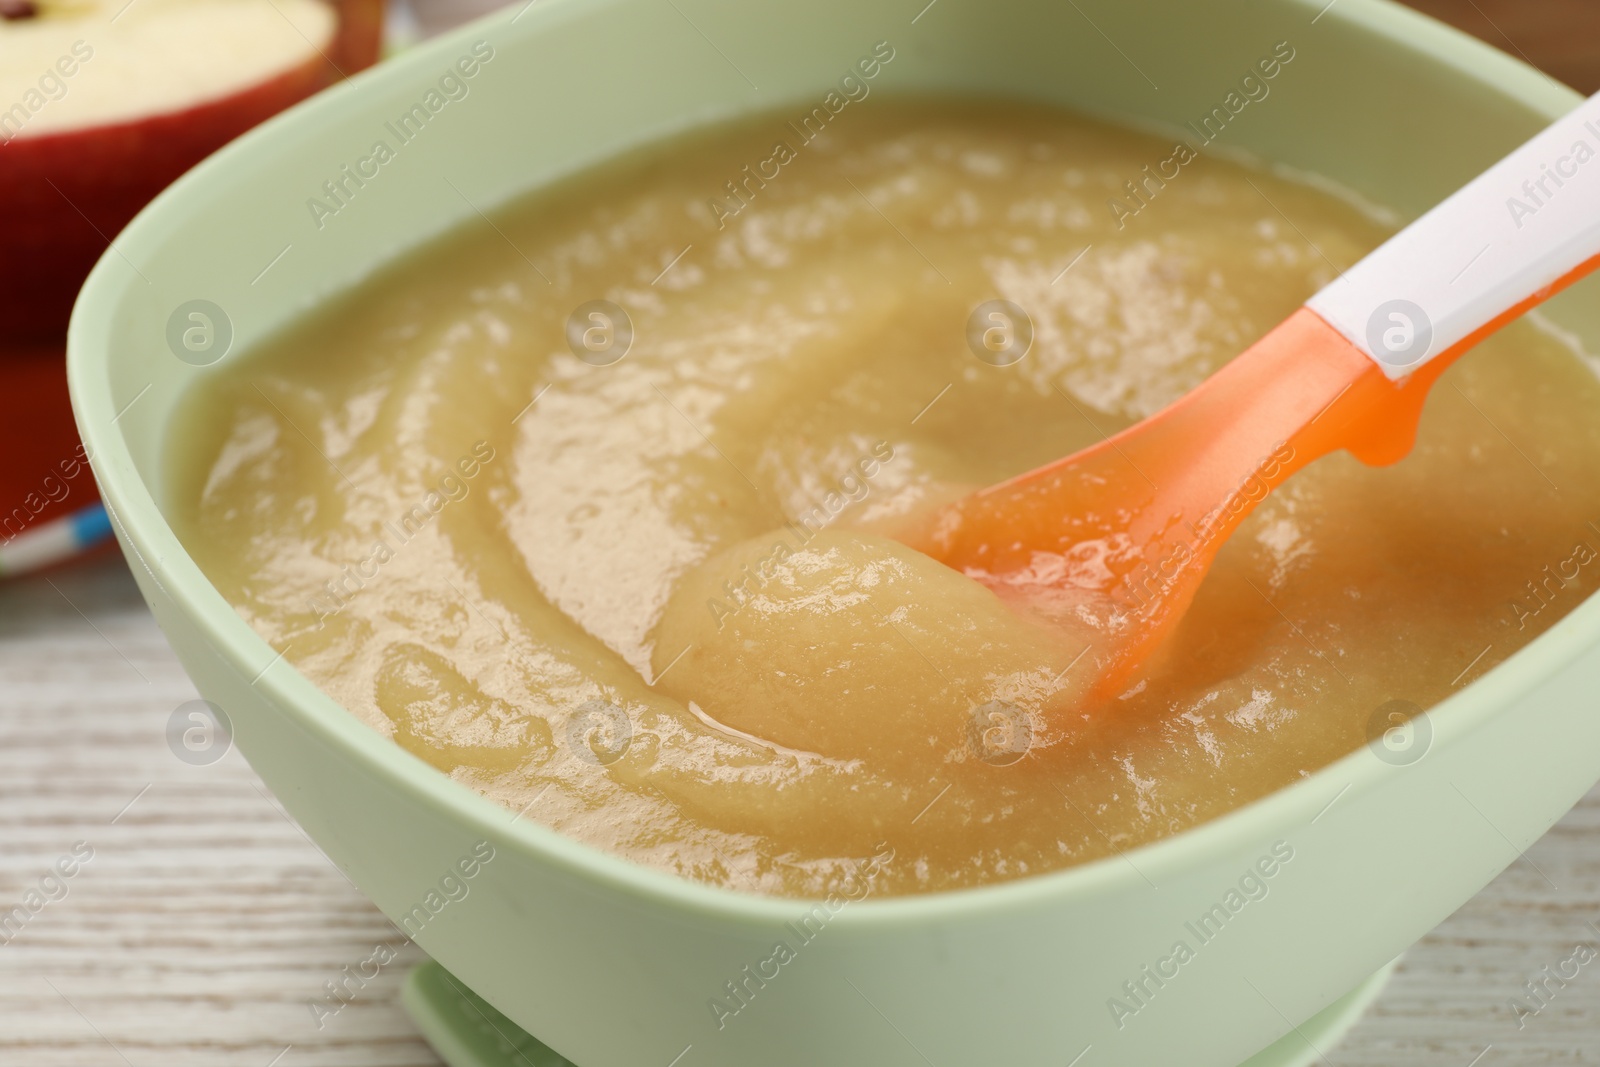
104	103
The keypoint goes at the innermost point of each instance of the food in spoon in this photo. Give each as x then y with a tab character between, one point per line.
1148	508
636	575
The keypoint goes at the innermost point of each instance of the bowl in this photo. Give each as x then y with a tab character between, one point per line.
615	965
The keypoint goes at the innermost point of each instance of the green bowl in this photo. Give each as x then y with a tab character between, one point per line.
617	965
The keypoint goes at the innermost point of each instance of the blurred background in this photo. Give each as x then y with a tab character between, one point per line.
200	926
1561	37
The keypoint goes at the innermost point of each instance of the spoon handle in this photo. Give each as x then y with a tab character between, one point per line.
1511	238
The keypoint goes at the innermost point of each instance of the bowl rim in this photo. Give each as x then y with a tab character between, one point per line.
151	543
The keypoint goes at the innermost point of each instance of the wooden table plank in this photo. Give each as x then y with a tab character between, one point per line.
206	922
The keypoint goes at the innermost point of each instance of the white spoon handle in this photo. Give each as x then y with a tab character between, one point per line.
1507	240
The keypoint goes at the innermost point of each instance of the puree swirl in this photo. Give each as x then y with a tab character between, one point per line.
651	599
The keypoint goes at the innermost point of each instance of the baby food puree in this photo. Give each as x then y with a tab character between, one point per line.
589	508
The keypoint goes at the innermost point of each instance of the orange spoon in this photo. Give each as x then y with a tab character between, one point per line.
1120	535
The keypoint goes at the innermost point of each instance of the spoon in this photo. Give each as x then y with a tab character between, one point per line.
1121	534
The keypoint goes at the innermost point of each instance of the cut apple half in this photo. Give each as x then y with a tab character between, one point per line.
103	103
158	56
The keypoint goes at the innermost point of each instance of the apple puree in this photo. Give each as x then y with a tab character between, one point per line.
649	599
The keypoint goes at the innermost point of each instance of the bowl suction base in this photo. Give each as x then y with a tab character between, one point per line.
1311	1041
466	1032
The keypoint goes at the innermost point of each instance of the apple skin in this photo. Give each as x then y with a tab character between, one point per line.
66	195
360	37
